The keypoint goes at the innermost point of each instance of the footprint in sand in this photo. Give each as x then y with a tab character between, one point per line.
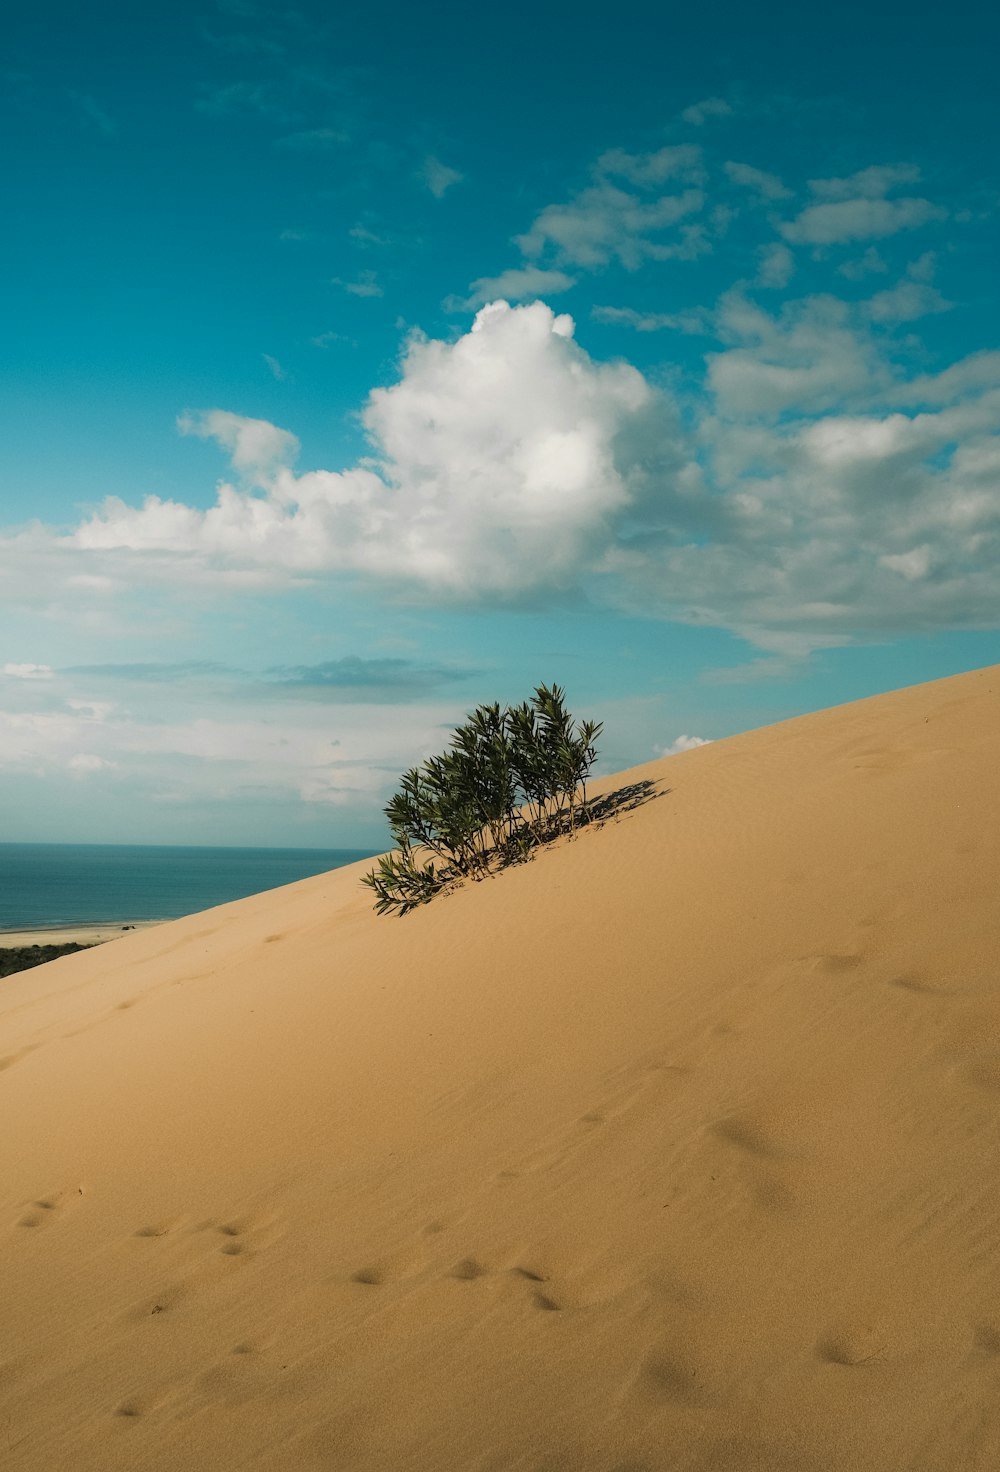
372	1277
767	1167
984	1073
406	1263
468	1270
986	1336
920	986
675	1374
746	1134
164	1301
852	1344
10	1059
546	1301
46	1209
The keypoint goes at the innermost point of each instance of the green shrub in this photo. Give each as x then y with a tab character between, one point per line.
510	779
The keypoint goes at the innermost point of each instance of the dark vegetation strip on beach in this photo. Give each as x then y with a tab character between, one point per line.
22	958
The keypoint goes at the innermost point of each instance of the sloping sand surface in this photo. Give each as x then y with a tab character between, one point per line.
677	1148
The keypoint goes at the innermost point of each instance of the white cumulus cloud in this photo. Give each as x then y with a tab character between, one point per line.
682	743
500	463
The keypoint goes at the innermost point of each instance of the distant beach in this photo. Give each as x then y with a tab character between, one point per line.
64	935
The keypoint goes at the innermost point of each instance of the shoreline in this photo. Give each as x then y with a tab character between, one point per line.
73	934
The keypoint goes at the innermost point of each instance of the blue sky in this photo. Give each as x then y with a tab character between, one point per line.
361	366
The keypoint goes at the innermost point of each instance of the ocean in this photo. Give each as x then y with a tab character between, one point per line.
45	884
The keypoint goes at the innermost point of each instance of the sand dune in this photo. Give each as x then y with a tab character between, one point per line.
677	1148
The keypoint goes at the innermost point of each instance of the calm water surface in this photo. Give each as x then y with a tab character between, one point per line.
91	884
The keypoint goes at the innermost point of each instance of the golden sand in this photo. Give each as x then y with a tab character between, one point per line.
676	1149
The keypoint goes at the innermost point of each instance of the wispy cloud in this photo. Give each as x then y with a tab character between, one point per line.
855	208
266	99
710	107
692	323
606	223
86	763
859	219
15	671
257	448
158	673
93	113
368	679
775	266
366	284
438	177
868	264
766	186
519	283
314	140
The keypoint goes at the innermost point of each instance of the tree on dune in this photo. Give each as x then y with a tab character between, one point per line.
511	779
